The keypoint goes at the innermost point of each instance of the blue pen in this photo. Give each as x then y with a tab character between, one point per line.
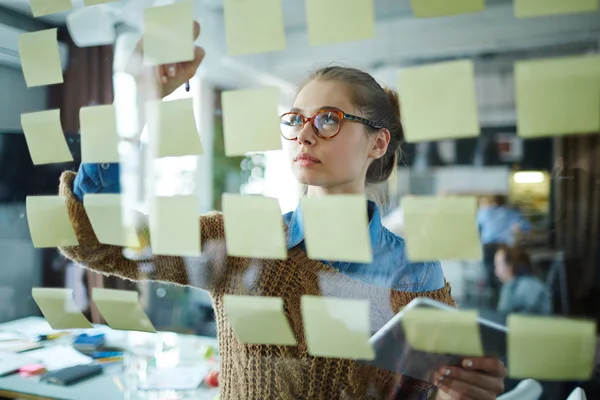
187	86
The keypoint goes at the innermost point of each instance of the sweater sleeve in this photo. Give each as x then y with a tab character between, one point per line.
110	260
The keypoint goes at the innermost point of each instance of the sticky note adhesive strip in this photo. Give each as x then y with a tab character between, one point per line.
247	33
169	34
438	101
550	348
175	226
335	21
122	310
99	137
558	96
59	308
441	228
105	213
258	320
40	58
337	328
49	223
254	227
40	8
539	8
336	228
44	136
440	8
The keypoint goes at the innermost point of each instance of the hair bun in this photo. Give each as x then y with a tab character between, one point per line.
393	98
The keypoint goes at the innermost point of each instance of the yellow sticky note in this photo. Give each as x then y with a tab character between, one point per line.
172	128
253	227
169	34
59	308
336	228
89	3
335	21
440	8
438	101
40	58
558	96
539	8
247	33
99	137
258	320
49	223
337	328
40	8
44	136
429	330
122	310
549	348
106	216
251	121
175	226
441	228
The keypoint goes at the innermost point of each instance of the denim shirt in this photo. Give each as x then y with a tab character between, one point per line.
390	268
496	224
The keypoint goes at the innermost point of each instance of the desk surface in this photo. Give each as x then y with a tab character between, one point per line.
105	386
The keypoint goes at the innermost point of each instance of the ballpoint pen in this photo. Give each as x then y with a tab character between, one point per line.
187	86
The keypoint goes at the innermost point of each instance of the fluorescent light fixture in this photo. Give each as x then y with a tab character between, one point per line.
528	177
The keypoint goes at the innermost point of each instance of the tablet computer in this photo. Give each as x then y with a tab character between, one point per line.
392	351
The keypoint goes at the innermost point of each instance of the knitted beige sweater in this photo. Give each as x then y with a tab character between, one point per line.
258	372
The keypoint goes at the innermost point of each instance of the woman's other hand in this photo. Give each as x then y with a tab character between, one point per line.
479	378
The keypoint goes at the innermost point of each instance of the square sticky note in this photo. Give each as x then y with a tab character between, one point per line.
175	226
253	227
251	121
172	128
122	310
539	8
105	213
169	33
440	8
334	21
246	31
549	348
40	8
49	223
258	320
89	3
441	228
99	137
44	136
558	96
438	101
59	308
336	228
337	328
428	330
40	58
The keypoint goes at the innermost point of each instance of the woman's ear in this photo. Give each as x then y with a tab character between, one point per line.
379	143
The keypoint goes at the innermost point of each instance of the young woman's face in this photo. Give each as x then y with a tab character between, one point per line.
339	164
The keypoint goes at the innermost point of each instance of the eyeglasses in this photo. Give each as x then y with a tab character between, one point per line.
326	123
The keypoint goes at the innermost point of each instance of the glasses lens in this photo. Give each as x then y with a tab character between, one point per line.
327	123
290	125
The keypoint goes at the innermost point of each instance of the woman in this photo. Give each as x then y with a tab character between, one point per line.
343	134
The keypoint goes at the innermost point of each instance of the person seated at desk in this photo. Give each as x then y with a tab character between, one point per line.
521	291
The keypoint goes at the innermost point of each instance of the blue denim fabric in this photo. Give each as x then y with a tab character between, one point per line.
96	178
496	223
390	268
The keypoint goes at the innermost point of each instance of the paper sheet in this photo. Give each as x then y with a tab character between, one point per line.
122	310
44	136
444	332
558	96
336	228
550	348
59	308
254	227
40	58
106	216
99	137
172	128
169	33
539	8
59	357
251	121
49	223
40	8
178	378
441	228
89	3
175	226
258	320
335	21
337	328
440	8
438	101
246	31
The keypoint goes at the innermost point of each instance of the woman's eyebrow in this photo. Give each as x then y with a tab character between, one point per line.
299	110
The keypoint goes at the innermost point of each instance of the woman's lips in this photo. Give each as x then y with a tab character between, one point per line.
304	160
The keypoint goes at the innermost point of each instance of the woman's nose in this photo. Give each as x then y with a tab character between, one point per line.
307	135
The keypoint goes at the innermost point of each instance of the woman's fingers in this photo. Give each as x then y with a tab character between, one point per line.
460	390
483	381
196	30
489	365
